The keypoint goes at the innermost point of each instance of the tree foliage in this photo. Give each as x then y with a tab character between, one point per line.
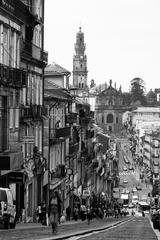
138	90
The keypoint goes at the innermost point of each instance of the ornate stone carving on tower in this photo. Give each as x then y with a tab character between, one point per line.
80	67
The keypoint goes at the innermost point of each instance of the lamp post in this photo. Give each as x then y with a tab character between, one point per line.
70	173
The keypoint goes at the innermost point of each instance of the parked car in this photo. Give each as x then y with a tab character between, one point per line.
131	167
135	199
7	209
130	205
125	181
126	160
124	168
134	190
138	188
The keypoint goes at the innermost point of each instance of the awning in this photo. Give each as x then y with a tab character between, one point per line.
11	161
12	177
55	183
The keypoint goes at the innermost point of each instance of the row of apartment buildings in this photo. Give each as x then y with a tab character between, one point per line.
145	122
48	139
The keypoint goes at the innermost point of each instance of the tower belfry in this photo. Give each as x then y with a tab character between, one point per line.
80	63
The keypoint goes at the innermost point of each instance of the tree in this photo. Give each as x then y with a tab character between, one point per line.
138	90
127	98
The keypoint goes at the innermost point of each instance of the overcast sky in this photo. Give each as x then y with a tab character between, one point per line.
122	38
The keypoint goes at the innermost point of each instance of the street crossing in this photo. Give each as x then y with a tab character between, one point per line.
126	173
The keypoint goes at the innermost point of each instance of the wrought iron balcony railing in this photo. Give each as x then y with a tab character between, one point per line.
95	164
31	50
71	118
63	132
12	77
73	148
155	144
89	134
84	121
33	112
60	172
155	155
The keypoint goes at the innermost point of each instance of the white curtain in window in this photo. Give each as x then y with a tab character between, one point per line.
17	118
11	118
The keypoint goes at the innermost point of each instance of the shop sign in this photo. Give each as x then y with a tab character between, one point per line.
28	139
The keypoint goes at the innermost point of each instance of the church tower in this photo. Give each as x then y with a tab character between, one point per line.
80	65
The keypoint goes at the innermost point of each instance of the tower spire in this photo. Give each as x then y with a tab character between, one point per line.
80	62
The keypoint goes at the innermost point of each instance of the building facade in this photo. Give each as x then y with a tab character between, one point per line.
23	60
109	109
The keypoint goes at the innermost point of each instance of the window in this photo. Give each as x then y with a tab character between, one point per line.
116	119
110	118
102	118
3	124
5	54
11	49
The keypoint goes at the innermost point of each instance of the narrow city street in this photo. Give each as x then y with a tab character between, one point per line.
137	229
131	176
65	230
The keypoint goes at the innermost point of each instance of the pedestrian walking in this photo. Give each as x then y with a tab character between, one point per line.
43	213
75	213
88	214
53	211
68	213
39	213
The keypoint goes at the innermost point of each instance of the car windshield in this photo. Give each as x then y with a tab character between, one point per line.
135	197
3	196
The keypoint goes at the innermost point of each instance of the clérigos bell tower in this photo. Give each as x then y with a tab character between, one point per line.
80	66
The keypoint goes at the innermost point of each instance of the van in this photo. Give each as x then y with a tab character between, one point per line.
7	209
135	199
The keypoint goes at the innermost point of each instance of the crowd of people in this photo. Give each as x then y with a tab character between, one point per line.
79	212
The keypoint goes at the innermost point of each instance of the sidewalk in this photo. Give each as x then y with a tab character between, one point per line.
70	228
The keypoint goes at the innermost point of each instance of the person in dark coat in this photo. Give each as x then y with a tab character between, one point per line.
53	211
43	209
68	213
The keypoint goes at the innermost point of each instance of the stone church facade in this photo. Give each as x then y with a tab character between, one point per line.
109	109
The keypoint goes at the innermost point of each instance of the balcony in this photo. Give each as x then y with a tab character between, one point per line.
32	112
89	134
146	149
58	135
155	144
12	77
31	50
71	118
59	172
73	148
84	121
155	155
62	132
95	164
44	56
